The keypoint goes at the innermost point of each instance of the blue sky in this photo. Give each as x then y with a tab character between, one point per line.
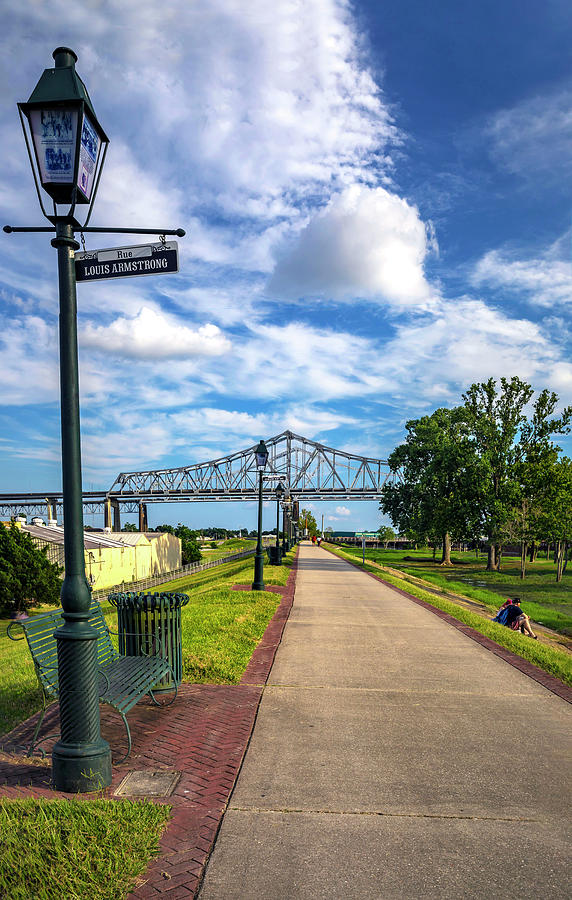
377	204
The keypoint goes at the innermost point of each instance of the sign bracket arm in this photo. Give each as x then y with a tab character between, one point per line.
179	232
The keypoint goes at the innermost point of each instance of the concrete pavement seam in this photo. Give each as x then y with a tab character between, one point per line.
380	813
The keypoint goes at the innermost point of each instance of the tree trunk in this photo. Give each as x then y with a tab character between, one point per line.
434	549
532	553
559	560
523	548
446	557
498	548
493	560
566	545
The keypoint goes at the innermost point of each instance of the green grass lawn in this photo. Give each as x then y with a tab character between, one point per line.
76	849
546	601
86	849
550	658
227	548
221	628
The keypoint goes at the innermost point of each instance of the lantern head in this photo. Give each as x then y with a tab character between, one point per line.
66	135
261	454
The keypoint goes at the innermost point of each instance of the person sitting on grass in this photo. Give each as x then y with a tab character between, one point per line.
502	613
513	617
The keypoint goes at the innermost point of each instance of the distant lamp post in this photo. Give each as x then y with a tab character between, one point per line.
279	491
69	148
286	526
261	456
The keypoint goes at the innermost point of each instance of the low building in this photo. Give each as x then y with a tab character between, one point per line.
113	557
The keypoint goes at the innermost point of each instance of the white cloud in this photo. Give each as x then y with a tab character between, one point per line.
298	360
132	195
343	511
213	112
546	281
432	360
152	335
534	136
29	372
367	242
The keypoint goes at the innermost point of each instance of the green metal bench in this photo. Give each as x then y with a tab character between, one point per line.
123	680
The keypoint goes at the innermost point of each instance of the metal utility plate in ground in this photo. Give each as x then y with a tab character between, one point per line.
148	783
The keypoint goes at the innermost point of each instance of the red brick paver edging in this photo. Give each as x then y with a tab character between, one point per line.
203	735
550	682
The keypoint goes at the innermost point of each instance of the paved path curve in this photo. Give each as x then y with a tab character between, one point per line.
394	757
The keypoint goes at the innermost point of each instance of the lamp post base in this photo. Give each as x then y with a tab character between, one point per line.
258	583
81	769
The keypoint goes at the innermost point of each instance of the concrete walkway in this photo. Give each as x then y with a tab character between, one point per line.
394	757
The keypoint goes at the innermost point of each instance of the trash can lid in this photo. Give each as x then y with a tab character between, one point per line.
148	601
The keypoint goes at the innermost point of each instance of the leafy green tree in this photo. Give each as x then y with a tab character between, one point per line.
386	534
129	526
27	578
503	440
308	521
190	550
434	496
556	516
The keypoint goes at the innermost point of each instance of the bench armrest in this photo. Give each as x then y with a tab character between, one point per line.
15	624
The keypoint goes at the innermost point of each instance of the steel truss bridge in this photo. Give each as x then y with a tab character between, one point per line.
308	471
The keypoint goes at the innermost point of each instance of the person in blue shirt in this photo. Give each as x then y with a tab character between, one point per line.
513	617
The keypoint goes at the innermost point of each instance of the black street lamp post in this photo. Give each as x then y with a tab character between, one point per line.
285	526
69	146
279	491
261	454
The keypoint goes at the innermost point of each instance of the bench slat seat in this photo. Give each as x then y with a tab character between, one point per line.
122	680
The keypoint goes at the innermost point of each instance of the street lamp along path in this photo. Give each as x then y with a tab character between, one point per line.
69	148
279	491
261	456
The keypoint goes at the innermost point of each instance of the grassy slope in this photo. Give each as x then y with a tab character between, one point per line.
555	661
546	601
221	628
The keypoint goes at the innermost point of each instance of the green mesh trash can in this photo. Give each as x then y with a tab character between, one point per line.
150	625
274	555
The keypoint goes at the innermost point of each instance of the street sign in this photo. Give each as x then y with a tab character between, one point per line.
367	534
119	262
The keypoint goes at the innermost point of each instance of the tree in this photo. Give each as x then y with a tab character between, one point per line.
190	549
386	534
434	496
556	519
129	526
27	578
503	439
308	521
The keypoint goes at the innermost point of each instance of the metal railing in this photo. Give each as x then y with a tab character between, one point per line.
192	568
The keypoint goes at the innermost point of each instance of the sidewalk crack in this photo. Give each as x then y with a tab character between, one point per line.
382	814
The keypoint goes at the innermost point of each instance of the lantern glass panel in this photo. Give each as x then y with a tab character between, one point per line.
88	152
261	460
54	132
